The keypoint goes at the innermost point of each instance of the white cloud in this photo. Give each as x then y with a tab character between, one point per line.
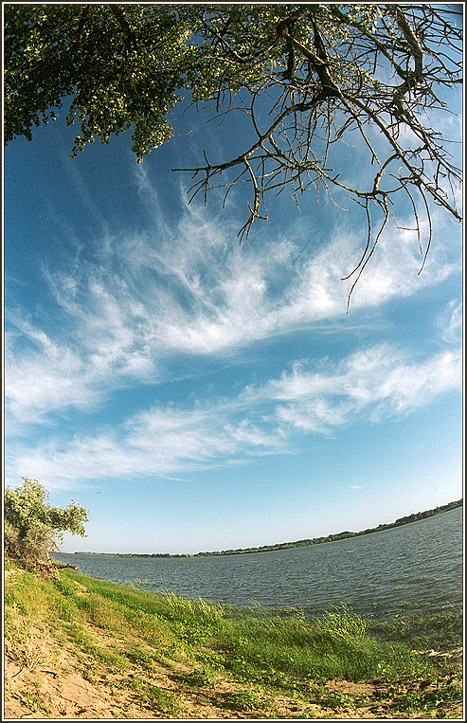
190	289
369	385
158	442
47	378
163	441
450	323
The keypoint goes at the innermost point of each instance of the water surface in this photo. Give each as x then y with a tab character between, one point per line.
415	566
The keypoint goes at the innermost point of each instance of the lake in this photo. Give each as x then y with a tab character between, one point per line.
413	567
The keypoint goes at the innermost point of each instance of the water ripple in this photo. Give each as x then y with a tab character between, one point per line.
415	565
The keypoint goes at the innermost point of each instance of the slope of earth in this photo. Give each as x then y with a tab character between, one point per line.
80	647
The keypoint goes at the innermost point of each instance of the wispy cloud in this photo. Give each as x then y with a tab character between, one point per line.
157	442
189	289
366	386
449	323
45	376
369	385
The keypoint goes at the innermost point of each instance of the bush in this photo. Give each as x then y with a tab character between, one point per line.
33	527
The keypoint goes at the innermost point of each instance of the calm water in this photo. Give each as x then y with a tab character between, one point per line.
414	566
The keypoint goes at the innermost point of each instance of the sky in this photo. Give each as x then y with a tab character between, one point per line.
196	394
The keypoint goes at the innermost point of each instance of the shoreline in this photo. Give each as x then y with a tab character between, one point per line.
407	519
82	647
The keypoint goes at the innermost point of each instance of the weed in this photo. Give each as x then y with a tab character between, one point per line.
437	696
32	655
65	587
64	606
114	660
264	653
162	699
442	631
137	583
341	623
310	713
198	678
34	700
244	700
336	699
90	674
140	656
24	650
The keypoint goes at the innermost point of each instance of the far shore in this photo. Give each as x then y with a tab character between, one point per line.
414	517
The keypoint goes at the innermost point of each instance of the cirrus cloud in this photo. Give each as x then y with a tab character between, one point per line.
364	387
187	289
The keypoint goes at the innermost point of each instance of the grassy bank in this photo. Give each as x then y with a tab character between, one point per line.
85	647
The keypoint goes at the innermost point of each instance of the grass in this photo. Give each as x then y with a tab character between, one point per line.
174	657
441	631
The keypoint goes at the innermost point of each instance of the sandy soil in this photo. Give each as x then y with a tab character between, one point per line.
51	684
46	679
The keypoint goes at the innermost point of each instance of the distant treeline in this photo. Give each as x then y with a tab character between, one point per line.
299	543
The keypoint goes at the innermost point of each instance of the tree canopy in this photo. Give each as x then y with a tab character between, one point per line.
308	77
33	527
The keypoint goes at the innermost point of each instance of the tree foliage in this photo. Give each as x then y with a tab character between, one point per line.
309	78
33	528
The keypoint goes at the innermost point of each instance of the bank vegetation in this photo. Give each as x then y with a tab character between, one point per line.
82	647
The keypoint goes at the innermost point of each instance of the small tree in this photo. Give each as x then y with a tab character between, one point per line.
33	528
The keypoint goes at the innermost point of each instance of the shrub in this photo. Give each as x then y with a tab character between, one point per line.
33	527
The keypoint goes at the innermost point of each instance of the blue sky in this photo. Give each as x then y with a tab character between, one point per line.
194	394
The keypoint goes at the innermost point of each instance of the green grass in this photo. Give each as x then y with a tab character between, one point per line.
431	630
264	656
